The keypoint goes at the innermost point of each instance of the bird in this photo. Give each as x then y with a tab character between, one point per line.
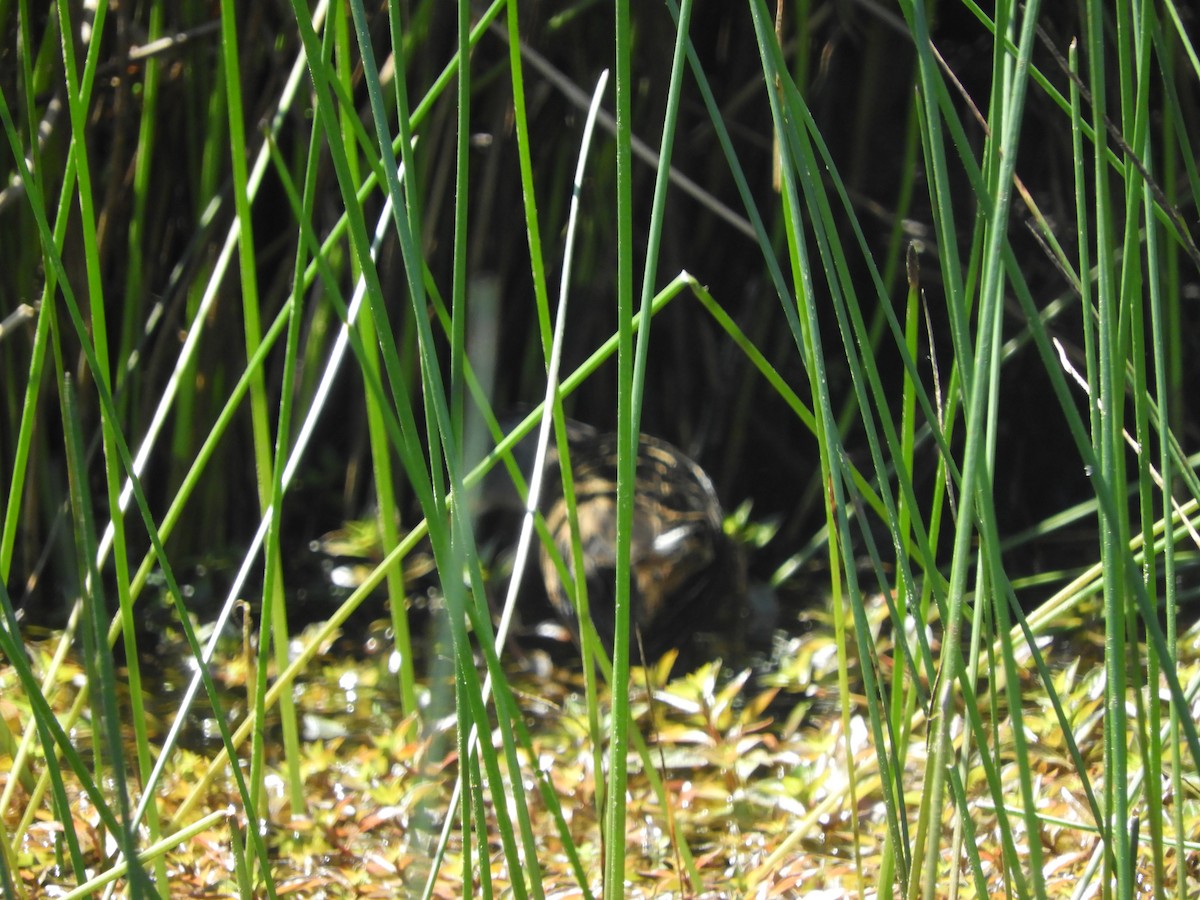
687	576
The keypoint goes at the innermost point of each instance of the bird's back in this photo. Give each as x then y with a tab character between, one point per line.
687	575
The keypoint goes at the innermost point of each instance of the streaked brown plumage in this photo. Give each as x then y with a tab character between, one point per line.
687	575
